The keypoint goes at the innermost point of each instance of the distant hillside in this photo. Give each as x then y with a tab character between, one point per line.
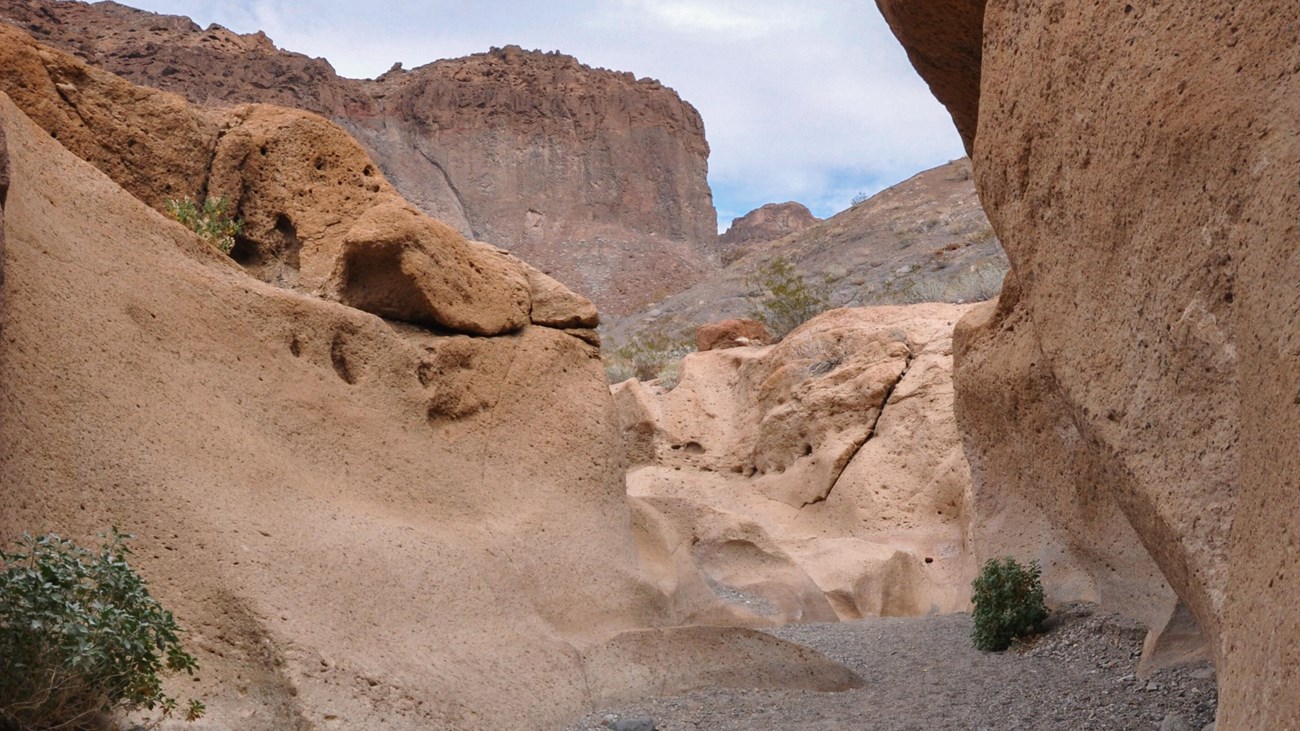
923	240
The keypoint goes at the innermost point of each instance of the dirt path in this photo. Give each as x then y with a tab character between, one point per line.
922	673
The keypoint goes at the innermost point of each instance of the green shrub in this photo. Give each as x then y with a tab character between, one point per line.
212	222
648	356
1008	603
785	300
81	637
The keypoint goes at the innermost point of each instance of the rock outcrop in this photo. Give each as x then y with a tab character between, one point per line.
733	333
818	479
401	523
1135	386
595	177
767	223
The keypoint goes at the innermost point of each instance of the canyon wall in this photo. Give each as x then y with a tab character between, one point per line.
597	178
1135	386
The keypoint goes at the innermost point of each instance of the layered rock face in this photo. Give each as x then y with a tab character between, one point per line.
1137	381
766	223
817	479
597	178
391	497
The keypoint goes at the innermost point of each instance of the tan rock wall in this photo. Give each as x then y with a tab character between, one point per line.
1138	163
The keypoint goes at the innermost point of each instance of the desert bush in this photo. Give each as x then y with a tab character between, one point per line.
212	221
649	356
1008	603
785	300
80	636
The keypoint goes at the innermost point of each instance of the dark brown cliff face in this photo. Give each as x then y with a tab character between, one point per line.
1136	384
596	177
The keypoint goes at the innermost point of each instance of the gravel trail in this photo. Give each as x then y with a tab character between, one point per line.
922	673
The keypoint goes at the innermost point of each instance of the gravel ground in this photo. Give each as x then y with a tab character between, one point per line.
922	673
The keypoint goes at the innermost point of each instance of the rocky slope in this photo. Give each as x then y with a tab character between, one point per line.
1135	386
597	178
329	482
923	240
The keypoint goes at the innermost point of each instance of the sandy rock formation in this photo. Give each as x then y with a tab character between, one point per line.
1137	383
595	177
816	479
733	333
365	523
766	223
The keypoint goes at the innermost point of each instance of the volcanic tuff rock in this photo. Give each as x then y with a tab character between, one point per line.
923	240
595	177
361	521
817	479
767	223
1137	382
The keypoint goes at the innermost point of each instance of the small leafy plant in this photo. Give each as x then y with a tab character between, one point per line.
784	299
1008	603
80	636
212	221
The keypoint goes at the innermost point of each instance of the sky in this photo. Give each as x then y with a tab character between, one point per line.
807	101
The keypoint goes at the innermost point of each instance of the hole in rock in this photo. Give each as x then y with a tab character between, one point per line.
694	448
295	347
929	559
264	150
339	358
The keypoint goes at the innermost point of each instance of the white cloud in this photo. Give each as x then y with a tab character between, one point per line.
801	101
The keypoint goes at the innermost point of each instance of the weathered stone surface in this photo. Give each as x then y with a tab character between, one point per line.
1138	163
816	479
595	177
767	223
403	265
732	333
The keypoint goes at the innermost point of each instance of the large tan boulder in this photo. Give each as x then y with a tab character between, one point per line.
818	479
1136	384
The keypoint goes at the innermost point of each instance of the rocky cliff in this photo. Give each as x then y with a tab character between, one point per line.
596	177
387	496
766	223
1135	386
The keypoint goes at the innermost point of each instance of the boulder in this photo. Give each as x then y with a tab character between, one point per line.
403	265
733	333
